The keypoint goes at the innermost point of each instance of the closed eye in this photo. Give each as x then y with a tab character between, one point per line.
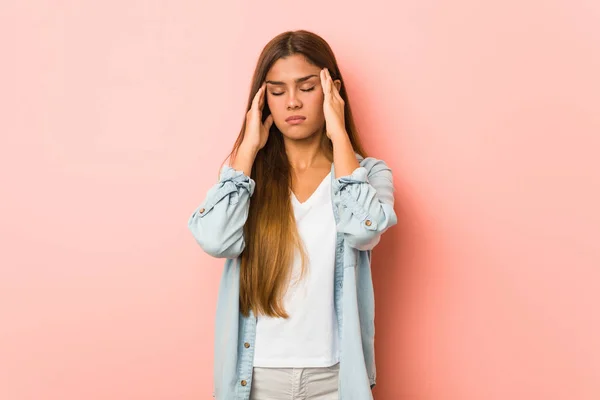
304	90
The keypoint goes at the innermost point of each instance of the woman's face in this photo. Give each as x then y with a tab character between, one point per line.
294	90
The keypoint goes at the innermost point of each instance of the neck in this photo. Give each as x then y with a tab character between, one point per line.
307	153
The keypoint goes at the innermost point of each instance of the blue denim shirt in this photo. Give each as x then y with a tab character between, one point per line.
363	207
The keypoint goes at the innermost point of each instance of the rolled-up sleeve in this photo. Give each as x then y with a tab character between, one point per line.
365	204
218	223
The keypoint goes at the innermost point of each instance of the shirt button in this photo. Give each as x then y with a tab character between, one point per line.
246	345
244	383
368	222
202	210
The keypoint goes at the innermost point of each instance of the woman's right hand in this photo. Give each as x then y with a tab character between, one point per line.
257	132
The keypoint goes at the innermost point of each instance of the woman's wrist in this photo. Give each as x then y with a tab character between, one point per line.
344	158
244	158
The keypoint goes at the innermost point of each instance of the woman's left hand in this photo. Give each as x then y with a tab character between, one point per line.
333	107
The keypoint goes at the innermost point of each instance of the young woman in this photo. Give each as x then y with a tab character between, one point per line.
296	214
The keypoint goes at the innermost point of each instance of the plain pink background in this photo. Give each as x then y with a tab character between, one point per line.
115	116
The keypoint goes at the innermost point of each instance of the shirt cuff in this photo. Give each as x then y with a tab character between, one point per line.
241	180
359	175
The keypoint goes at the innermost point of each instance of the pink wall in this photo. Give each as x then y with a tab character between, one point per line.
116	115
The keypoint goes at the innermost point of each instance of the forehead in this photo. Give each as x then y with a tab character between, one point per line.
290	68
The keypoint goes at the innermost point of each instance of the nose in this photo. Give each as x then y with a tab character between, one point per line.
293	102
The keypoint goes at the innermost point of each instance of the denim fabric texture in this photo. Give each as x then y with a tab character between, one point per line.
363	206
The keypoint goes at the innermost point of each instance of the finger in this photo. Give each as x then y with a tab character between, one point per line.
331	80
329	75
261	100
337	93
324	82
263	95
257	97
332	88
260	96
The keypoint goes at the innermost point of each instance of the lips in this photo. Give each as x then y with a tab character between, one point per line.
295	119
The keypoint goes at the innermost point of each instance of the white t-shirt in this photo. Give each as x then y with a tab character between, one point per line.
308	338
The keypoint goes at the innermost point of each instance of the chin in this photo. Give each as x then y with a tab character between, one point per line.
298	132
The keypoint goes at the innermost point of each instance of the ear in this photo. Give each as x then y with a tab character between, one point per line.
338	84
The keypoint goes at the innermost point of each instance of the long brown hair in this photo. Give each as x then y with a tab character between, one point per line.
270	233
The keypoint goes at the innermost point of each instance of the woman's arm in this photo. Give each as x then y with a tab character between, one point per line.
363	193
218	223
365	203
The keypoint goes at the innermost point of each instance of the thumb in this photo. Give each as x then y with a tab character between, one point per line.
269	122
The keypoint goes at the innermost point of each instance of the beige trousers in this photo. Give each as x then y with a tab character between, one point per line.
295	383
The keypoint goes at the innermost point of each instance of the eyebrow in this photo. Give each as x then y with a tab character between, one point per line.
299	80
